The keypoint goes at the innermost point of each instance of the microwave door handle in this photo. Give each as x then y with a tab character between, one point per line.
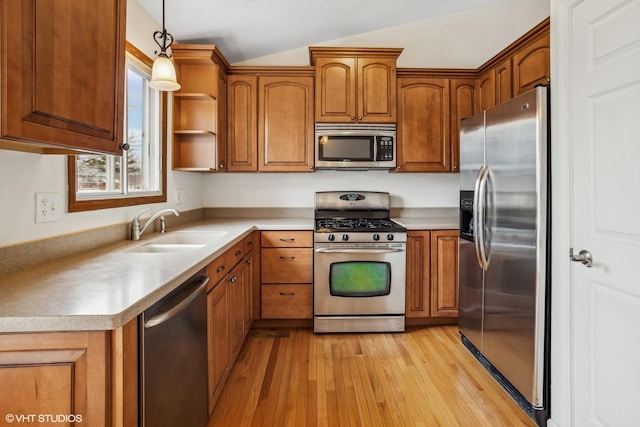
375	149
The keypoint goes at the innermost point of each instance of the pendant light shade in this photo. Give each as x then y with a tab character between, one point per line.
163	73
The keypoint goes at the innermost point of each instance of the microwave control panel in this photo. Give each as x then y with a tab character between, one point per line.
384	148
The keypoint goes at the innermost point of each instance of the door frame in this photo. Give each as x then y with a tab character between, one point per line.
561	213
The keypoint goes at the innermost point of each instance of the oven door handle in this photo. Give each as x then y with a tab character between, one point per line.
356	251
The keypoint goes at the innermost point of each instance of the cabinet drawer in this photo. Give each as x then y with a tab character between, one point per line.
217	269
251	241
287	239
236	253
287	265
287	301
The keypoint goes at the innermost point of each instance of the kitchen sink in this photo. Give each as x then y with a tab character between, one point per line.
178	241
189	238
164	247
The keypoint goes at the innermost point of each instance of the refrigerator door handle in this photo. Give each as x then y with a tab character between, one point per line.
479	216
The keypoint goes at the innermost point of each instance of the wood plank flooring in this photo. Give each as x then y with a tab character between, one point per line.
423	377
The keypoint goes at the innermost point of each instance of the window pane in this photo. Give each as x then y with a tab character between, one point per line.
135	131
98	173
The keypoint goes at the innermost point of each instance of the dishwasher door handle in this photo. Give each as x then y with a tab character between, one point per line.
177	308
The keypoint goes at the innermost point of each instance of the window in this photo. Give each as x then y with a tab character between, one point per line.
98	181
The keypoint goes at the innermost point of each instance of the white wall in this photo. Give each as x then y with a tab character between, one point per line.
297	189
465	39
24	174
450	41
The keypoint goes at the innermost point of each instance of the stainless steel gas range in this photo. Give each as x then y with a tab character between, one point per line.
359	264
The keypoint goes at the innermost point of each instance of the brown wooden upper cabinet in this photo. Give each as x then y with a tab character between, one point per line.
423	125
355	85
63	83
463	105
517	69
199	109
285	124
242	109
532	65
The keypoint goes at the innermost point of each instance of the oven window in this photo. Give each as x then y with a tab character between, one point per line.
360	279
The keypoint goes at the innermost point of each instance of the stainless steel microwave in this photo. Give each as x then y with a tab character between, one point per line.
355	146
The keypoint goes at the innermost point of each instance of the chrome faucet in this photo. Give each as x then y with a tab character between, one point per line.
136	230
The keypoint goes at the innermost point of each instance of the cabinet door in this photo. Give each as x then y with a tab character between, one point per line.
218	341
463	105
248	287
376	93
503	82
418	274
242	135
444	273
531	66
236	295
56	373
423	128
336	90
285	124
63	73
486	90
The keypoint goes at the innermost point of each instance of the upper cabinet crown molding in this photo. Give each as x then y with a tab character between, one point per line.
349	52
63	83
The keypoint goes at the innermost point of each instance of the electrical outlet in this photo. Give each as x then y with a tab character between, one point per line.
48	207
179	196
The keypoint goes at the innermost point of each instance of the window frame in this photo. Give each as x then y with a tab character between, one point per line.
80	205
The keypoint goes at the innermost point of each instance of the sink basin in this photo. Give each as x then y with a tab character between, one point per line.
164	247
178	241
189	238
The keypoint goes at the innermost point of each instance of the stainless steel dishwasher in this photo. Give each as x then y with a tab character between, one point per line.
173	358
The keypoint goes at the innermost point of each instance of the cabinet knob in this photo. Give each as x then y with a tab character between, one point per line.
359	117
124	147
353	118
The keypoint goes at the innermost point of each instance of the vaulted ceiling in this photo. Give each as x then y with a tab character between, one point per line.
247	29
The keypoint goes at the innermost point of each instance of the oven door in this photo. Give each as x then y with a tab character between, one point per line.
359	279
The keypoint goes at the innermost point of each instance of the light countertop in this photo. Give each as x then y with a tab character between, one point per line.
107	287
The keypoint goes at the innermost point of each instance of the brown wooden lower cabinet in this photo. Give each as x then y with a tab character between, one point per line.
444	273
432	274
286	260
70	378
229	311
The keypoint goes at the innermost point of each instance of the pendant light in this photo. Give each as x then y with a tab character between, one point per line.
163	73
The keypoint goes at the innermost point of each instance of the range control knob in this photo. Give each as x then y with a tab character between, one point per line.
331	237
345	237
389	236
376	237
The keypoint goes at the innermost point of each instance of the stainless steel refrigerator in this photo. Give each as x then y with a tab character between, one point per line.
504	245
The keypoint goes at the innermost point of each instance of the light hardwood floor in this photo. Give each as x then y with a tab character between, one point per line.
423	377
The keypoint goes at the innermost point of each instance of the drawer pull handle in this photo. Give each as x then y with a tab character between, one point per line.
219	269
290	239
237	253
233	279
287	294
288	257
249	261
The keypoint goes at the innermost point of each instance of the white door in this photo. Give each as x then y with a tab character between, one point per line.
605	138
